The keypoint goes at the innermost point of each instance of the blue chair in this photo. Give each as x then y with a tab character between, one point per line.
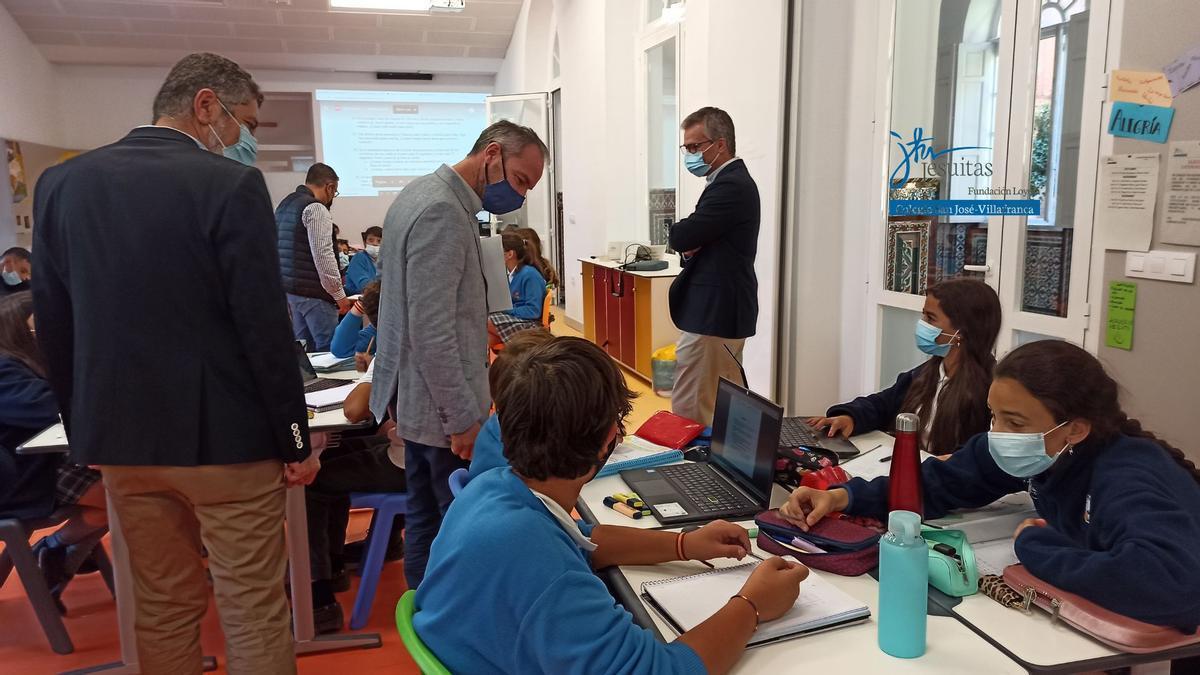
387	506
458	481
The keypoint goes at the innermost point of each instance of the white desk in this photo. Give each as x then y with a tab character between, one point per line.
54	440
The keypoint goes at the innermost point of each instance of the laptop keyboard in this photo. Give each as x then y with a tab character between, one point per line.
795	433
711	495
321	384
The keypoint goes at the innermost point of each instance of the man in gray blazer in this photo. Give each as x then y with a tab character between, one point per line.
431	356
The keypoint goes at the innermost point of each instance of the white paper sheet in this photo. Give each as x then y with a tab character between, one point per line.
1128	192
992	557
328	397
868	466
1181	213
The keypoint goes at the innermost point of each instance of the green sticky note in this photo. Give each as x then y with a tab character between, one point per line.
1122	300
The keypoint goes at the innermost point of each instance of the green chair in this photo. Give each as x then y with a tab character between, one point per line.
426	661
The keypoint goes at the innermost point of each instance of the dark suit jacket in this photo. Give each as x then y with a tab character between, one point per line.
717	291
160	309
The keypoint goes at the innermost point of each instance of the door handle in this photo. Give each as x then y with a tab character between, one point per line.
977	268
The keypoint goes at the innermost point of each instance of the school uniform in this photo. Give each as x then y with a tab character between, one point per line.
361	272
1123	521
351	337
489	451
487	606
528	288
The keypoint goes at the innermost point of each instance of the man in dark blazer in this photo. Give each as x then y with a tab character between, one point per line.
163	321
714	300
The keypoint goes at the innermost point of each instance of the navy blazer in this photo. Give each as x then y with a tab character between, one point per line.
876	412
716	293
160	308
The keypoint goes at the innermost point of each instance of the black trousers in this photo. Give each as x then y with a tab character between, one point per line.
360	465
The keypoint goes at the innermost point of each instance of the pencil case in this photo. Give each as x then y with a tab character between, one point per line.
952	568
669	430
849	549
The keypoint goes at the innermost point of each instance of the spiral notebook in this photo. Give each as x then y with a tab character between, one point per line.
638	453
686	602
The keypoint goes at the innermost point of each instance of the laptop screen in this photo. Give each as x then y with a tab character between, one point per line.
307	372
746	437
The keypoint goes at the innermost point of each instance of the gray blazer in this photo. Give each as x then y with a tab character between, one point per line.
431	354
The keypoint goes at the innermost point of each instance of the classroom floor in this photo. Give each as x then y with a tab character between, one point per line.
92	614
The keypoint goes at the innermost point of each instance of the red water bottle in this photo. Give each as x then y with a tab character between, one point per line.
904	485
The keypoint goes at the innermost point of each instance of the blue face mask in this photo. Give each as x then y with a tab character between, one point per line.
501	196
1021	455
927	335
246	148
12	278
695	164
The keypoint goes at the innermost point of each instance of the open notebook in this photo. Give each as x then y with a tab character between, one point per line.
686	602
638	453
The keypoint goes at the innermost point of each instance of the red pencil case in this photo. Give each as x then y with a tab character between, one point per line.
850	549
669	430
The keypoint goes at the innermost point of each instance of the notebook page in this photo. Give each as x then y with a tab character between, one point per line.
992	557
692	600
633	448
334	396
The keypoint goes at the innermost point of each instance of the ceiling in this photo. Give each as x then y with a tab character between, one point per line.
285	34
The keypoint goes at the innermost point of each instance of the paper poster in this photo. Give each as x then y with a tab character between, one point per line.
1143	122
1184	72
1128	191
1140	86
16	171
1181	213
1122	299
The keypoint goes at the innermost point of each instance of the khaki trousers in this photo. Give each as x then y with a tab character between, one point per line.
237	511
700	361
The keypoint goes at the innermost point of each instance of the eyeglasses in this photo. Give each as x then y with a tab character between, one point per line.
689	148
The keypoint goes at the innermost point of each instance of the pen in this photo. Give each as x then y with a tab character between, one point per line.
885	459
622	509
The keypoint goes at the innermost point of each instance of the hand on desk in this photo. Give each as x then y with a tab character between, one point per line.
717	539
842	424
805	507
1029	522
774	587
361	361
302	473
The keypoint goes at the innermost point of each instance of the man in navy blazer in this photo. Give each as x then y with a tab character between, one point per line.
184	390
714	300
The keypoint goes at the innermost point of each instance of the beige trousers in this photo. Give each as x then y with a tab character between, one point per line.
237	511
700	361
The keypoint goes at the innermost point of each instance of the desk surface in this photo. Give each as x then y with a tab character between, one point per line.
673	268
54	438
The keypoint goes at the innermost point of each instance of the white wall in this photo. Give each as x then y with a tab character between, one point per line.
28	109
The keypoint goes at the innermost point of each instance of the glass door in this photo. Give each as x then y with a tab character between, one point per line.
533	111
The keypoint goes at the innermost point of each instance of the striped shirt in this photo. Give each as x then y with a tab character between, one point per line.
319	224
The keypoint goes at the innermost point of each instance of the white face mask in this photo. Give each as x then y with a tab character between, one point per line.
372	250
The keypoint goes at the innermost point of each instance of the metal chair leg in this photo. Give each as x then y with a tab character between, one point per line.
39	595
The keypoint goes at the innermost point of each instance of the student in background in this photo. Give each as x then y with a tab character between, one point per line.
957	329
15	271
508	537
528	288
534	243
1120	508
489	451
34	486
343	255
363	268
356	333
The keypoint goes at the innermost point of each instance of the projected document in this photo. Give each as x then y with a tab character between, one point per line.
378	141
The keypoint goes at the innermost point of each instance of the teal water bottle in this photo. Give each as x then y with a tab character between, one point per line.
903	586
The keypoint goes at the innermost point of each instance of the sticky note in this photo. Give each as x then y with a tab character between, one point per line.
1184	72
1122	300
1140	86
1143	122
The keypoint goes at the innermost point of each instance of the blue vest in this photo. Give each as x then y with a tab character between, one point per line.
296	263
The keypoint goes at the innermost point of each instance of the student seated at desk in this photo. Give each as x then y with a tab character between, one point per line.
958	329
510	586
1120	508
362	269
355	333
528	288
34	486
489	451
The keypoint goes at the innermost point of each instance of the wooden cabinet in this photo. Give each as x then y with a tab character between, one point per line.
627	313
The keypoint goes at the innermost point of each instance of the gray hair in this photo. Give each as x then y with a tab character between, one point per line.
511	136
717	125
232	84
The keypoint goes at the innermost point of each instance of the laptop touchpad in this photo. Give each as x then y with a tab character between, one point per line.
655	488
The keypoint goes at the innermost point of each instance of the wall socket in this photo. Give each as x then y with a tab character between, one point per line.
1177	266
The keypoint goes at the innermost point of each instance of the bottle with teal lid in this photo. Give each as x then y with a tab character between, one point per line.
903	586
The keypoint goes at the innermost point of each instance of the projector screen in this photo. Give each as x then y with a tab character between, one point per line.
378	141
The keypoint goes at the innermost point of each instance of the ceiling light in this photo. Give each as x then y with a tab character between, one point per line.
383	5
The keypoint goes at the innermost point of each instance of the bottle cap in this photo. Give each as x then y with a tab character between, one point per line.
907	422
904	524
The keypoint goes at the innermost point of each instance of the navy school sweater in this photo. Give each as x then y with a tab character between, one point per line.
1123	522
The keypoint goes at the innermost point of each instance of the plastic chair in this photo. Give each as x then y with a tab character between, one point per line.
458	481
546	304
18	554
387	506
425	659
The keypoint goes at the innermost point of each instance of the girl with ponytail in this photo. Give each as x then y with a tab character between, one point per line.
528	288
1119	508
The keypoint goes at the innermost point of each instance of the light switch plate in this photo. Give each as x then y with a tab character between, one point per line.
1177	266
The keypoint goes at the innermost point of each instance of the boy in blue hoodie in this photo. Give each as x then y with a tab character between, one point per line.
362	270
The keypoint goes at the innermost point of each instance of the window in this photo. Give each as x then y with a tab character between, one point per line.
662	138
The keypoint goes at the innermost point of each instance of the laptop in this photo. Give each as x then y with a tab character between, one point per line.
735	481
798	433
309	374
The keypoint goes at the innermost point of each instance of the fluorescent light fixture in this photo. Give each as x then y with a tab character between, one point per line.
382	5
